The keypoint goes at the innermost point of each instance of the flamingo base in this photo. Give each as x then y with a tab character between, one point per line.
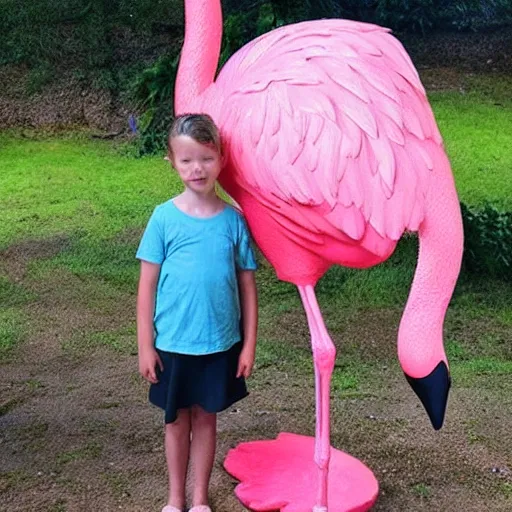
280	475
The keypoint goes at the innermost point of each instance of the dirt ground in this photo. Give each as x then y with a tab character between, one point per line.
77	433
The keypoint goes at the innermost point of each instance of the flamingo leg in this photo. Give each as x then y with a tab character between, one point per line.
324	354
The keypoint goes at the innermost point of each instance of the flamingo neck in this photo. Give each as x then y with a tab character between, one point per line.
200	52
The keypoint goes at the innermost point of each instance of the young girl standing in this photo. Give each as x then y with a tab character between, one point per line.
196	284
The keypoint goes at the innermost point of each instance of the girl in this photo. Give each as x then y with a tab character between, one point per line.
196	283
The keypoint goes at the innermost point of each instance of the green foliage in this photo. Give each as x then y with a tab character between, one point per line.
475	15
488	241
407	15
51	31
423	16
40	75
81	35
154	90
416	16
156	84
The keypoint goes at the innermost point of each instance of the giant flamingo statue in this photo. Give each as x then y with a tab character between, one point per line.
332	151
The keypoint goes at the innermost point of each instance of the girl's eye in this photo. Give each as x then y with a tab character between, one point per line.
186	161
208	159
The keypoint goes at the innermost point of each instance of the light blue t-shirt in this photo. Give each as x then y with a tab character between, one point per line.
197	309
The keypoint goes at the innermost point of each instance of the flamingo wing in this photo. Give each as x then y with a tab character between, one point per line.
331	114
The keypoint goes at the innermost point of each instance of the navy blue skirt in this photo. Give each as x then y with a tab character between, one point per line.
208	381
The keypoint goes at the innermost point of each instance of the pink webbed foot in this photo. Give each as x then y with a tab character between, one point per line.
281	475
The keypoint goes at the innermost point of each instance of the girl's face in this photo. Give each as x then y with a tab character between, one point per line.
198	165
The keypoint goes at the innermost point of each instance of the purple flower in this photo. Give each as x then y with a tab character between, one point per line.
132	123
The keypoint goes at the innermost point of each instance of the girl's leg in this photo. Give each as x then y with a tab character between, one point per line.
177	448
202	452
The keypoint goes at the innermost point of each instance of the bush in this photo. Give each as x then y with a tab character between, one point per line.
422	16
154	91
475	15
487	241
76	35
53	32
407	15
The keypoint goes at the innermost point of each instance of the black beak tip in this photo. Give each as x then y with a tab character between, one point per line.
433	390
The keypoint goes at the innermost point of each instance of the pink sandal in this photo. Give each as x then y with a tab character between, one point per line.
200	508
170	508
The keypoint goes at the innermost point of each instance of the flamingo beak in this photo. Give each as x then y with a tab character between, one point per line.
433	390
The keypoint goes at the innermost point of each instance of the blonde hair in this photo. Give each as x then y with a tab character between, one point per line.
199	127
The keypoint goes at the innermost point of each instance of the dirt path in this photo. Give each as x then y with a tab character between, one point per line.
77	433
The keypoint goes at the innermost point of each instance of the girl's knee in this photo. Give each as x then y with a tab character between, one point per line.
182	420
200	416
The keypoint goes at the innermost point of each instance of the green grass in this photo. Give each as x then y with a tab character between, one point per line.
121	341
506	489
349	375
466	372
111	262
486	363
476	126
119	483
17	478
12	331
13	294
91	450
276	354
422	490
382	286
76	186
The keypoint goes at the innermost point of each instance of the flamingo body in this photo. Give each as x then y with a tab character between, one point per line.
331	148
333	152
329	136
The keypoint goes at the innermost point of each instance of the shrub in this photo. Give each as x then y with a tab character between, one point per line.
154	91
487	241
475	15
422	16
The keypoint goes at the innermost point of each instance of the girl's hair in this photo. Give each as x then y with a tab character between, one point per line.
199	127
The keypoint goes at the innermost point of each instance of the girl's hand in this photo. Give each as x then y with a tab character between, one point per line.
245	362
148	361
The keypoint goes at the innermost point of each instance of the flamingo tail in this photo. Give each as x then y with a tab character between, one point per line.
420	337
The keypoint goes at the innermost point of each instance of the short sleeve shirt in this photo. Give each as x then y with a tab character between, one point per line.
197	308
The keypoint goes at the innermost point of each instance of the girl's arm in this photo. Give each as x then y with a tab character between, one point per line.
148	356
249	304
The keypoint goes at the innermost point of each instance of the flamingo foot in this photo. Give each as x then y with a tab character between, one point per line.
280	475
433	390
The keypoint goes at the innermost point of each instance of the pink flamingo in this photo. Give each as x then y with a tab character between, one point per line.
332	153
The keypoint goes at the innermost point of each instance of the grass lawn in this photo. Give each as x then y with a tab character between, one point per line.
72	212
477	128
76	186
